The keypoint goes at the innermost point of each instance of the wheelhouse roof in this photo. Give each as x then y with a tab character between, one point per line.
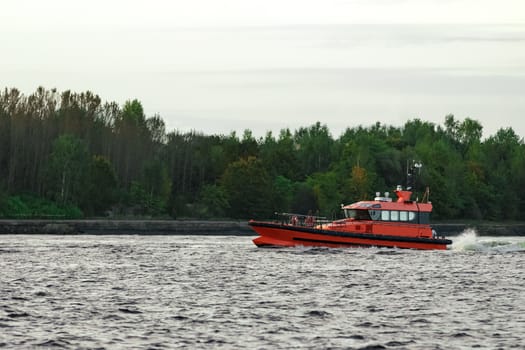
383	205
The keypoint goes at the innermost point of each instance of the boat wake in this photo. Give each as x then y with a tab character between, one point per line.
470	241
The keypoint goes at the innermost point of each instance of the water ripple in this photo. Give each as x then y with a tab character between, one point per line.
162	292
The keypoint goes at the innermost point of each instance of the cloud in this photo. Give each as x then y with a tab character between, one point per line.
221	66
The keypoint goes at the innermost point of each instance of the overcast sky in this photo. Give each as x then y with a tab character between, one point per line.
222	65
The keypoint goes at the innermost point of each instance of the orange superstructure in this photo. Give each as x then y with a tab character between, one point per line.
403	223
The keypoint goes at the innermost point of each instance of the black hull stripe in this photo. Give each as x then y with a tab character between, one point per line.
333	242
352	235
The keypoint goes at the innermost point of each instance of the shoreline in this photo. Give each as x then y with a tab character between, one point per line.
203	227
125	227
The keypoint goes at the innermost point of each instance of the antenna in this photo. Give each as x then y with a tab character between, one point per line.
411	172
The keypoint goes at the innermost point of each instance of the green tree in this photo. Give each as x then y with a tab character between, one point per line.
280	156
359	185
133	142
249	189
304	200
314	148
3	201
327	190
443	171
156	184
284	190
68	164
213	202
101	187
504	166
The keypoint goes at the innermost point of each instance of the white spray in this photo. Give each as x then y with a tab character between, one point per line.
465	241
469	241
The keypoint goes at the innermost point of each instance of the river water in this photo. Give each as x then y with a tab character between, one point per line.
157	292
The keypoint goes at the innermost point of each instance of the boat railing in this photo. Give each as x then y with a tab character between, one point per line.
301	220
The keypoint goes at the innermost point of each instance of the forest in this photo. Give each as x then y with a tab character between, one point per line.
73	155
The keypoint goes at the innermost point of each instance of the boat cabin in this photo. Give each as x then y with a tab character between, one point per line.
384	209
387	215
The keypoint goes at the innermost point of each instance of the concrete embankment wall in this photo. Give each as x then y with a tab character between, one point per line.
485	229
125	227
197	227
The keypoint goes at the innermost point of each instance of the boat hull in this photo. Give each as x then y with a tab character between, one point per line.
284	235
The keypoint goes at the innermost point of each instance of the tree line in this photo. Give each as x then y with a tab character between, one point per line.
72	155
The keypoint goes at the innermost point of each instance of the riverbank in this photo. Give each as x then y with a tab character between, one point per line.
204	227
125	227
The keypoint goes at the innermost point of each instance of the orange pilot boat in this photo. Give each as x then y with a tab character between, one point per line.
403	223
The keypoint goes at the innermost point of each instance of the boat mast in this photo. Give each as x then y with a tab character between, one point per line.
411	175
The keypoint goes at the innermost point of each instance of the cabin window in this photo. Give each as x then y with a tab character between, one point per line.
357	214
394	215
424	218
375	214
363	215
